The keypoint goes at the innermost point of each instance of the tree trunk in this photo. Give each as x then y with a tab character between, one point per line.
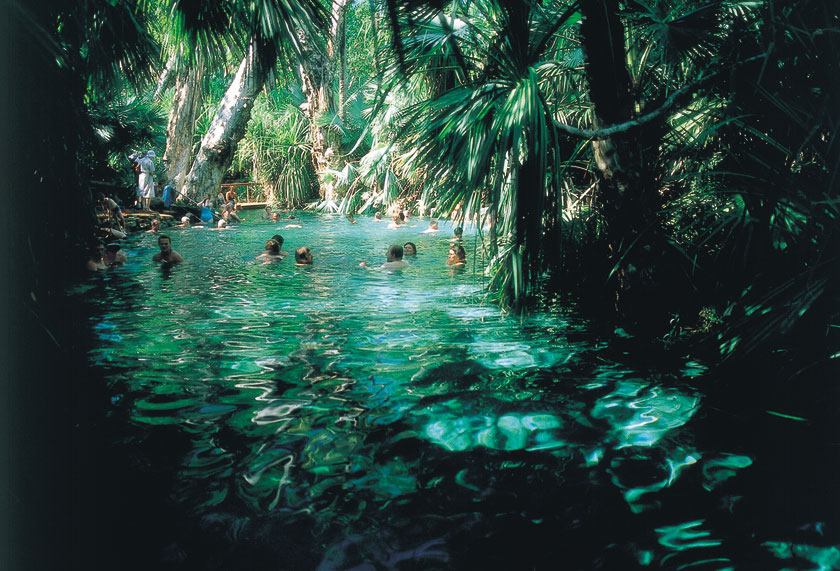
340	38
228	127
180	128
627	209
602	39
166	78
318	71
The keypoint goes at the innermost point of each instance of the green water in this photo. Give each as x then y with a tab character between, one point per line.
337	417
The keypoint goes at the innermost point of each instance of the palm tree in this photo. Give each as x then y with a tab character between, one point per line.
776	243
320	65
486	133
277	149
267	28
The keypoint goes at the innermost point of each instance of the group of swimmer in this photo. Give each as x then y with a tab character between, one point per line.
103	257
274	253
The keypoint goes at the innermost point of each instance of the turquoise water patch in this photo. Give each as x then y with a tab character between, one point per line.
362	417
538	431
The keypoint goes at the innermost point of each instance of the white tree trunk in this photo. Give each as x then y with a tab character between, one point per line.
227	128
318	71
180	129
166	78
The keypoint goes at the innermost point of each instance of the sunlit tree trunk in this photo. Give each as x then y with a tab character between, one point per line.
218	146
340	42
181	126
318	75
166	78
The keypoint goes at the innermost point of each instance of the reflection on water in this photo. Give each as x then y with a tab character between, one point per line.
368	419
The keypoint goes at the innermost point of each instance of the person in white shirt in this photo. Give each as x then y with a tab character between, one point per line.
147	178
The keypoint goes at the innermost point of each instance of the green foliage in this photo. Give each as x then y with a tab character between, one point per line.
467	110
484	133
125	125
276	149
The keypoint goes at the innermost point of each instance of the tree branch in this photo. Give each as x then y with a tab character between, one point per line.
671	101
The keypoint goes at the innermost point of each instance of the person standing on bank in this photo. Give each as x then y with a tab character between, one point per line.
147	178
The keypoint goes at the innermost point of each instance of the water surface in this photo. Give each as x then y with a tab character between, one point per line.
335	417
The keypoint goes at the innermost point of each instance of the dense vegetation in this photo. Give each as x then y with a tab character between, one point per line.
673	164
674	161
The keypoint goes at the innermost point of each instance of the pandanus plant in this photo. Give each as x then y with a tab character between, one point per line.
485	134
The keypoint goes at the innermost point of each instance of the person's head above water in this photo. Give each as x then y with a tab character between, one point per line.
165	244
457	255
155	224
378	216
409	249
395	252
279	239
166	254
97	248
97	256
272	247
433	224
458	232
303	256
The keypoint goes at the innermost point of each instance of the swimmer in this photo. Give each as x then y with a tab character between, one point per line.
166	254
292	226
458	232
350	218
433	227
279	239
457	257
394	259
271	253
409	249
96	261
222	225
185	222
275	217
229	215
303	257
396	221
267	214
113	256
155	226
377	217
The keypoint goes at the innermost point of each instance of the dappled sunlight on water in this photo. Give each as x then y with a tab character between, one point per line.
395	416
